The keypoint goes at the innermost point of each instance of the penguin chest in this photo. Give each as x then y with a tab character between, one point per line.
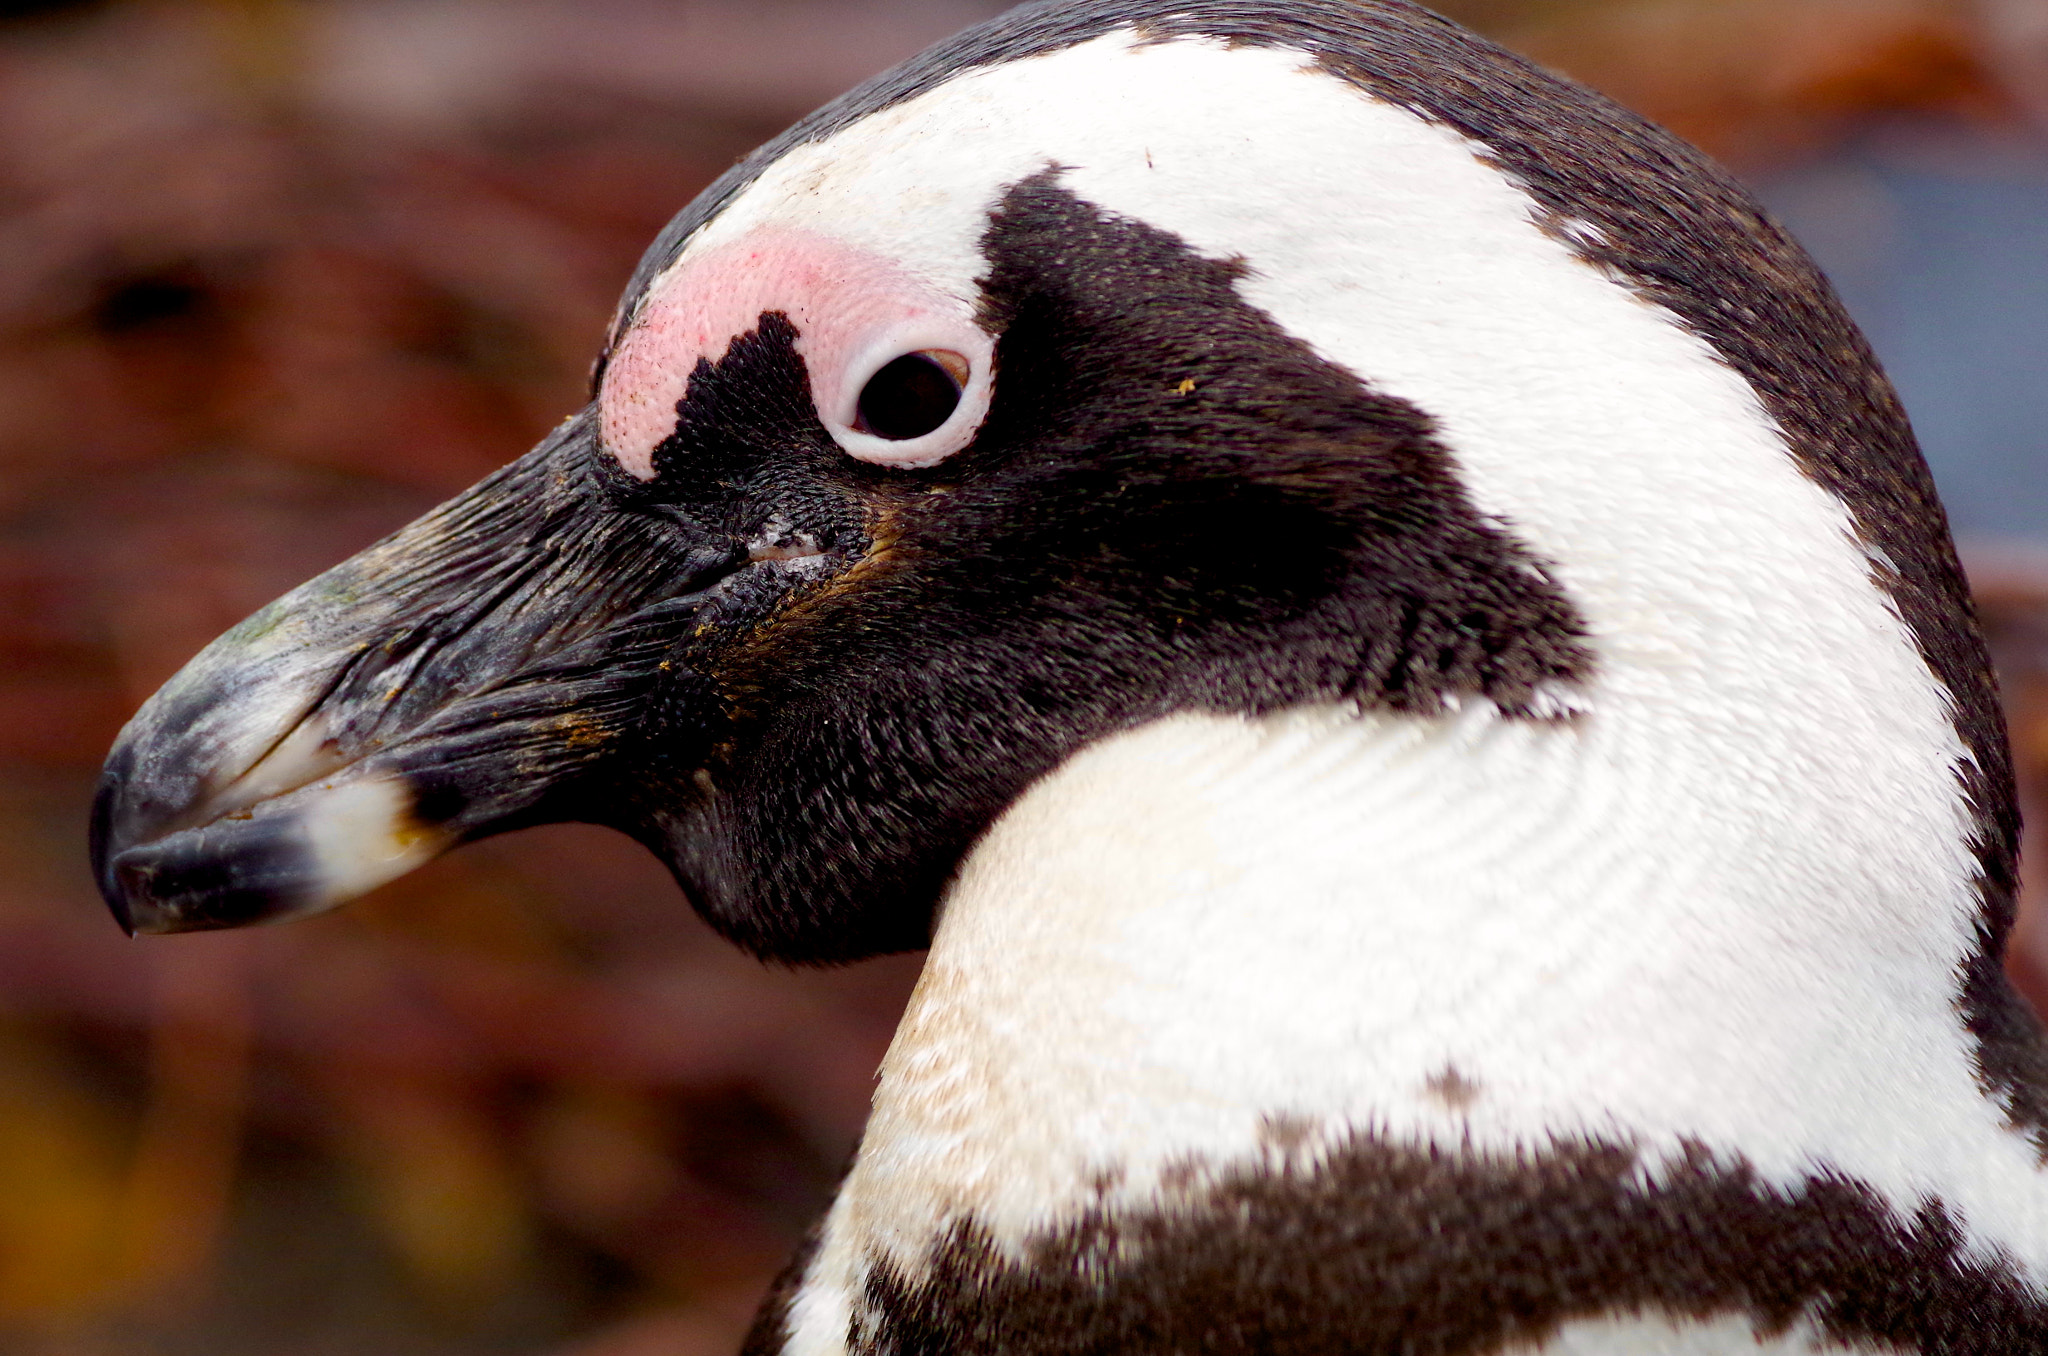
1182	1075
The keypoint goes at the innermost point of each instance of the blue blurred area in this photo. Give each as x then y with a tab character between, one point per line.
1937	237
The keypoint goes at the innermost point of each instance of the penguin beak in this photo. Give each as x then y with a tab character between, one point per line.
468	675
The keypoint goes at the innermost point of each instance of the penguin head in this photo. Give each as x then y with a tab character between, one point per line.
1117	360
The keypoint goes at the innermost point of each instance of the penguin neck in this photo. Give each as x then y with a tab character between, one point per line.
1211	936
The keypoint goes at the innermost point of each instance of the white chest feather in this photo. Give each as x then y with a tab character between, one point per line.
1666	1337
1211	936
1468	931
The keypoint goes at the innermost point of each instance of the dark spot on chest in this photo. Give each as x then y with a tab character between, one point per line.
1451	1089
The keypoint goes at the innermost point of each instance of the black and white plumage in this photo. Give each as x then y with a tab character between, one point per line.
1395	644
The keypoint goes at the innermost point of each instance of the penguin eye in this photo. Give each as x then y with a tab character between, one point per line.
912	395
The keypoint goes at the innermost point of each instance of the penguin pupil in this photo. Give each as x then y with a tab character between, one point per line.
908	398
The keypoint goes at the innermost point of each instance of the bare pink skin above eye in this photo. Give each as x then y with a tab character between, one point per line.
842	300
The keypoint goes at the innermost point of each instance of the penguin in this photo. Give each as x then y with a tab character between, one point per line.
1372	612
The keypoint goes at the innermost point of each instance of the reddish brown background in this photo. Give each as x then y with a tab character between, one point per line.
276	276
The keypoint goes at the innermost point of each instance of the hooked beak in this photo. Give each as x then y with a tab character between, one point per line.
473	673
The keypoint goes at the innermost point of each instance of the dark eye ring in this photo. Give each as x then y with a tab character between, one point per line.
913	395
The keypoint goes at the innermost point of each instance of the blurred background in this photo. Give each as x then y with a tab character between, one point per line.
277	275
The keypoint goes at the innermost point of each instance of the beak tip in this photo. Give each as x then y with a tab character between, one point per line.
137	903
296	855
105	850
158	878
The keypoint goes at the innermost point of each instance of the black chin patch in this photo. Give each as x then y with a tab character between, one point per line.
1174	505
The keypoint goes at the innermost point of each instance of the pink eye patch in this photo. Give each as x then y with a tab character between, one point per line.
900	373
